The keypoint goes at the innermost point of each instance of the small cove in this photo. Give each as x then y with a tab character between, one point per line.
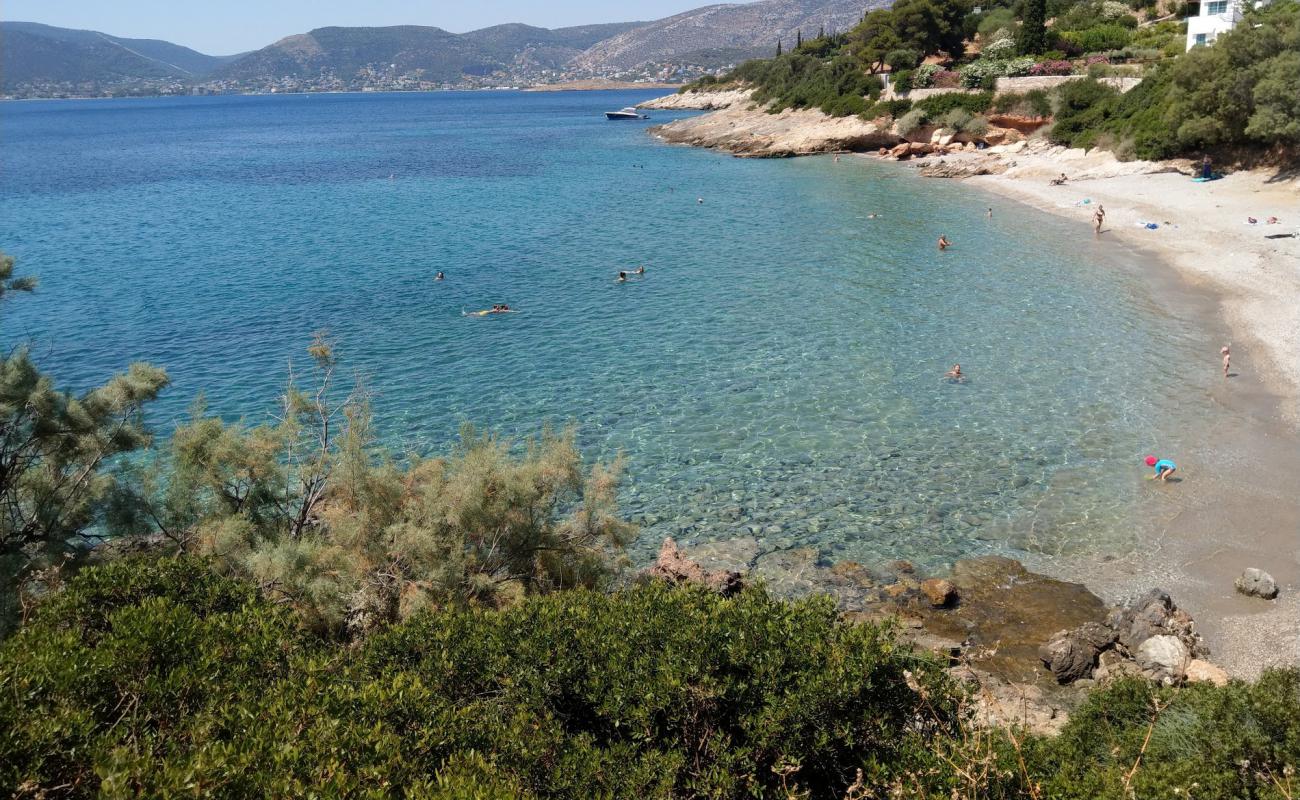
776	373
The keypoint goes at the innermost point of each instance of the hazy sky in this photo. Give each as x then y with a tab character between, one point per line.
222	27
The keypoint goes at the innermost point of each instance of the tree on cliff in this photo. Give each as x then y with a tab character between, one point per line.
928	27
1032	37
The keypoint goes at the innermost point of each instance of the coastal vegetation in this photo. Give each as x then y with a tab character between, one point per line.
161	677
1236	97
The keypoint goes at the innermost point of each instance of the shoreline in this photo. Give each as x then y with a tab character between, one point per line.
1238	507
1242	509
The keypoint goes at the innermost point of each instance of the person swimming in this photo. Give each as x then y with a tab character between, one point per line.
639	270
622	277
944	244
497	308
955	375
439	277
1163	467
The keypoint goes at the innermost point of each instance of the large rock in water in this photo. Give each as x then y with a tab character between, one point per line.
1257	583
673	566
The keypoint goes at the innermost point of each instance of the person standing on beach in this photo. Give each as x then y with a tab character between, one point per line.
1098	217
1226	352
1207	168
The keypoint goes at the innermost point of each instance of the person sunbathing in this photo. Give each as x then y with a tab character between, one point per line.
1059	181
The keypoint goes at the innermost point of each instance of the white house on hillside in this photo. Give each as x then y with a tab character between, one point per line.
1216	17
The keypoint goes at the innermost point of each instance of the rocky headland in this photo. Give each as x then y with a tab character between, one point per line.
1029	644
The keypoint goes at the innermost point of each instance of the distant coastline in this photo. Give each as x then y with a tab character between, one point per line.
573	86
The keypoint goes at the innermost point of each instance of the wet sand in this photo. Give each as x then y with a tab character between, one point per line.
1237	503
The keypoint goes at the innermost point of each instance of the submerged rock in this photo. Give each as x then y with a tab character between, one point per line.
673	566
941	593
1257	583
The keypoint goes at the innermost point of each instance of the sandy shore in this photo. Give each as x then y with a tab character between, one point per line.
1239	503
1203	233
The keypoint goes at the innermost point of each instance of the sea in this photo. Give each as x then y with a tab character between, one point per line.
776	373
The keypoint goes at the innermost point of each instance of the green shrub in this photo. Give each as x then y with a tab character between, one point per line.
164	679
1201	741
1099	38
938	105
1083	107
889	108
1034	103
957	119
837	85
912	121
902	81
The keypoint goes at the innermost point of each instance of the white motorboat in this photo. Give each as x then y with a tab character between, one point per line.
628	113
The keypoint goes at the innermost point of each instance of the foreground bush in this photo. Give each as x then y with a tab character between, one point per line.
162	678
312	510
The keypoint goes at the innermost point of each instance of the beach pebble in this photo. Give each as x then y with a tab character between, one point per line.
1257	583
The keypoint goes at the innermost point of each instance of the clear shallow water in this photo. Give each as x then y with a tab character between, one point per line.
777	371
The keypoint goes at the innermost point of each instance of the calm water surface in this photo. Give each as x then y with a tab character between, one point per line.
777	370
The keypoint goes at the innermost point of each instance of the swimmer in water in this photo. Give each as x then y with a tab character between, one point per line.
944	244
439	277
1163	467
955	375
639	270
622	277
699	201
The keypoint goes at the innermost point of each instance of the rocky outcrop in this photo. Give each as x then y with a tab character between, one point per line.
1257	583
675	567
963	167
1150	637
699	101
1072	655
749	132
1163	659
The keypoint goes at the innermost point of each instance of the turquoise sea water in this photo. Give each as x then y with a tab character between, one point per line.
777	370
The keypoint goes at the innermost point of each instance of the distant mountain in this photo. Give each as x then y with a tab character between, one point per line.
40	60
439	55
730	32
31	53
